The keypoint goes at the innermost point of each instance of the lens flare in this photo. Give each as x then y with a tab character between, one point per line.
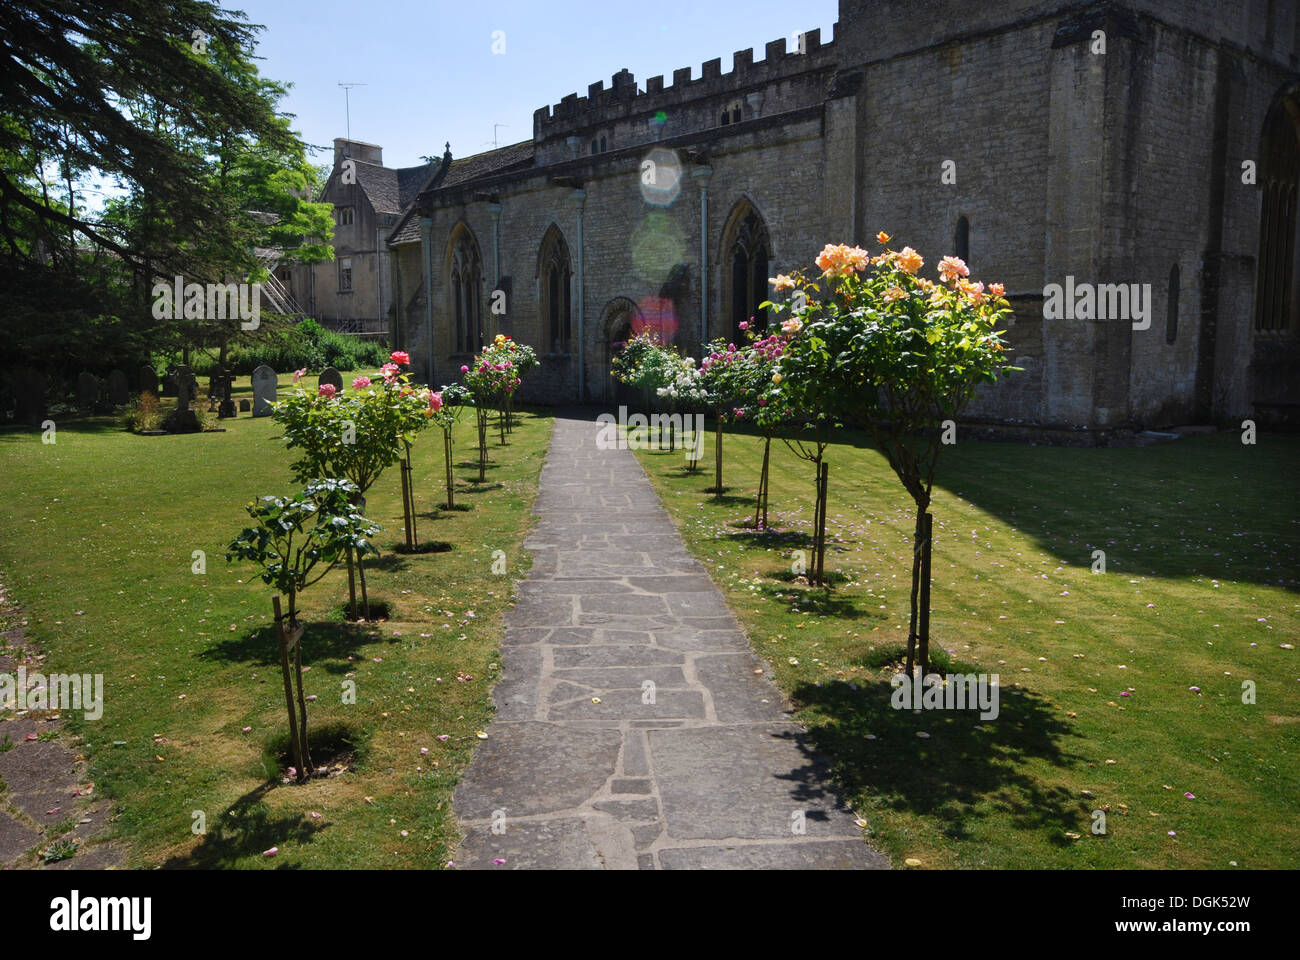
661	177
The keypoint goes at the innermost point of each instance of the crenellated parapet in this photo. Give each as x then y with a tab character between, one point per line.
789	76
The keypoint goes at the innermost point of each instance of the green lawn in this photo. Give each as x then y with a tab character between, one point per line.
96	543
1097	710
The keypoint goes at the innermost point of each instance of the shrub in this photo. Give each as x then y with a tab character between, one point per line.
143	414
283	345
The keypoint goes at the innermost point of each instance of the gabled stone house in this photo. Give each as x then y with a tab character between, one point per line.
353	293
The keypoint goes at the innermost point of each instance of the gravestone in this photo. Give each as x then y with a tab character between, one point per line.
148	380
30	391
183	419
330	375
264	384
225	384
87	390
119	394
244	405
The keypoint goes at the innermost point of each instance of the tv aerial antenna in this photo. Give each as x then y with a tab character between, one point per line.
347	102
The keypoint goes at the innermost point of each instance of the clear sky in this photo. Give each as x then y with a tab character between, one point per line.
431	75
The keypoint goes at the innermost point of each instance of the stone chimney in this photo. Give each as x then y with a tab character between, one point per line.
345	149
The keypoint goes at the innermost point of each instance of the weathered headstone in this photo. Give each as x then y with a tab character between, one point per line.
264	383
330	375
30	391
148	380
119	394
87	390
244	405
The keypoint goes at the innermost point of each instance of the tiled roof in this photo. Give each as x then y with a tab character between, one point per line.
465	171
389	190
486	164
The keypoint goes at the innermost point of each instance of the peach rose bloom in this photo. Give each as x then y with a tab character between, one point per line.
950	268
909	261
782	282
883	237
858	259
997	289
894	293
793	325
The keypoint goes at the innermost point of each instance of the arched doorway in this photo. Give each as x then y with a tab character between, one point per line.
746	256
618	324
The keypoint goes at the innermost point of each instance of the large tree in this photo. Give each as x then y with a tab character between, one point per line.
161	104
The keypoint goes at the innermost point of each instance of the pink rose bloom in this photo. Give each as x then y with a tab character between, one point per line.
509	365
360	383
435	402
744	324
464	369
389	370
299	374
401	356
327	390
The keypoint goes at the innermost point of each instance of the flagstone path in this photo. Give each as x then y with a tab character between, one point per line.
635	727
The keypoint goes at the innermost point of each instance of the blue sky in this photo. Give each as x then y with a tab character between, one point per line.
431	74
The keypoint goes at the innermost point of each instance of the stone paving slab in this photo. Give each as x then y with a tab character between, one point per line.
635	727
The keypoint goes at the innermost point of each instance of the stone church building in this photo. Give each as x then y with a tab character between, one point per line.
1139	142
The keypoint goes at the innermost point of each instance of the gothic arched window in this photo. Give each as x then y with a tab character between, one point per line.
554	276
746	257
465	282
1279	177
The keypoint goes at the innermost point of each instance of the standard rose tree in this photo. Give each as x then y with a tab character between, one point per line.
444	409
356	436
897	354
492	378
296	541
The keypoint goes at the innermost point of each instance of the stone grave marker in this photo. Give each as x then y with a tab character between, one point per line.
244	405
87	390
148	380
30	392
330	375
264	385
119	394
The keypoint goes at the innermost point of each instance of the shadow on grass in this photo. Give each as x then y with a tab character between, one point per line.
473	486
421	547
964	764
244	829
322	643
771	537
